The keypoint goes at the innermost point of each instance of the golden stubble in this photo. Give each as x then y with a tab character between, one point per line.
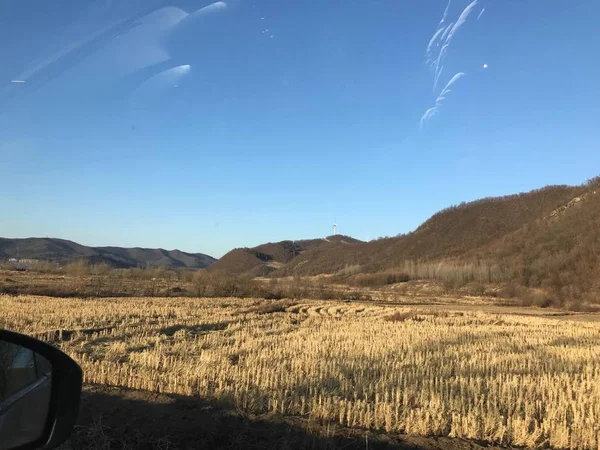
507	379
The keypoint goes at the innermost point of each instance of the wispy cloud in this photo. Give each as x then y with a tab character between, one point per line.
447	37
437	62
439	66
438	49
439	101
432	44
445	16
429	114
17	81
454	79
439	35
446	31
461	20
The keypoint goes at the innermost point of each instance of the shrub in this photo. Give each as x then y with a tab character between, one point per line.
377	279
399	317
78	268
349	270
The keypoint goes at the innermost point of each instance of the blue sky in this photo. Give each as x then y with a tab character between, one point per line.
207	126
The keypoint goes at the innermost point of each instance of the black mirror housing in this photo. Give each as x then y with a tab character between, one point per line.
65	391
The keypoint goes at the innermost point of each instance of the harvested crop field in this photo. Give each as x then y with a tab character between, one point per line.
507	379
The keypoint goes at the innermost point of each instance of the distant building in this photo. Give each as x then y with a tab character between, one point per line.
22	263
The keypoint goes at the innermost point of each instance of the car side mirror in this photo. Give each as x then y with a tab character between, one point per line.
40	387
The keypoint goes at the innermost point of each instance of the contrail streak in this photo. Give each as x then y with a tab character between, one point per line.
439	66
431	112
437	62
449	36
461	20
454	79
441	31
445	16
439	102
437	51
434	42
448	28
436	79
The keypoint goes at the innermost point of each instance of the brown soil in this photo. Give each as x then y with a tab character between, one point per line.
116	418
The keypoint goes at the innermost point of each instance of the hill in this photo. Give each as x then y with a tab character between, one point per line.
60	250
267	258
544	241
559	252
455	232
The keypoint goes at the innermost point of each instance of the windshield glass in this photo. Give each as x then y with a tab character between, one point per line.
331	218
254	121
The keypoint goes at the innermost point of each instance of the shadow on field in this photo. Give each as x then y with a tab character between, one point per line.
115	418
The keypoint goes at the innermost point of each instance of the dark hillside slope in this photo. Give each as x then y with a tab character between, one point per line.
455	232
51	249
462	229
559	253
42	248
266	258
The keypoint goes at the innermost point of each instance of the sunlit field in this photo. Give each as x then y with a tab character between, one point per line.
507	379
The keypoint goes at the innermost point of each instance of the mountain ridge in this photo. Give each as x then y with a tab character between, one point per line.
63	250
546	239
458	231
269	257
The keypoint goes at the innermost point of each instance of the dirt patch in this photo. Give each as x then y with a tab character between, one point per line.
271	306
546	313
194	330
119	418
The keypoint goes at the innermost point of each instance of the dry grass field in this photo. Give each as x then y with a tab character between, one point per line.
508	379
